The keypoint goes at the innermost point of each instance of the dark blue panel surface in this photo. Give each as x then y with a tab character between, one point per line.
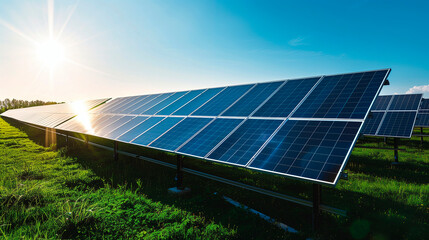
406	102
114	125
398	124
139	129
208	138
342	96
287	98
129	105
223	100
381	103
124	128
143	107
180	102
156	131
191	106
164	103
372	122
310	149
176	136
240	147
425	104
246	105
422	120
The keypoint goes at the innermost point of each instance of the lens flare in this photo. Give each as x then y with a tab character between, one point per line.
81	110
50	53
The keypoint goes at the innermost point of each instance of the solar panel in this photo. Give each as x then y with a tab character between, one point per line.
397	124
52	115
424	105
303	128
382	102
422	120
393	116
287	98
308	149
342	96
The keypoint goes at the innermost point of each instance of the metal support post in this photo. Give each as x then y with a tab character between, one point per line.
115	151
86	141
179	175
395	147
317	198
421	137
67	139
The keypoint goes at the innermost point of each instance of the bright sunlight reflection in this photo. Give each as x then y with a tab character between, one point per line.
50	53
81	110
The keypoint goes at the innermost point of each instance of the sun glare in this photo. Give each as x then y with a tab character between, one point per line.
81	110
50	53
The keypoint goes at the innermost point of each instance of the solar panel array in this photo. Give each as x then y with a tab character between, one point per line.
301	128
393	116
52	115
422	119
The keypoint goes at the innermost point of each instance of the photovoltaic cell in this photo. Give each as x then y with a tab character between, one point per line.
246	105
405	102
137	103
209	137
342	96
308	149
382	102
224	99
241	145
425	104
176	136
397	124
372	122
125	127
151	103
114	124
129	103
191	106
164	103
287	98
139	129
180	102
422	120
156	131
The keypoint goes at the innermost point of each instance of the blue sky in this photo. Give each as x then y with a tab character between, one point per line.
122	48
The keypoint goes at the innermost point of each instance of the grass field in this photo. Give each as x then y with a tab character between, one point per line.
80	192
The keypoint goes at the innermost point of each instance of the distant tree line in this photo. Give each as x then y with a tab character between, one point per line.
15	103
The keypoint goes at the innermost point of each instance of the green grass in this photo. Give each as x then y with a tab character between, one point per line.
383	202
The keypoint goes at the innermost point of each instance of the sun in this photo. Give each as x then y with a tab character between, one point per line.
50	53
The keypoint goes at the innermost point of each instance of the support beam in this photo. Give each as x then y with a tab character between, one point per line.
317	199
115	151
179	174
395	147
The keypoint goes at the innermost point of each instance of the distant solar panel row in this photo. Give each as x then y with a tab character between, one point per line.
303	128
393	116
52	115
423	114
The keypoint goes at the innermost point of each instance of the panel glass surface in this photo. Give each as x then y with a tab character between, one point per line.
425	104
222	101
156	131
151	103
342	96
164	103
180	102
246	105
98	127
125	127
139	103
397	124
309	149
176	136
287	98
113	125
372	122
209	137
130	105
240	146
191	106
139	129
118	107
422	120
381	103
406	102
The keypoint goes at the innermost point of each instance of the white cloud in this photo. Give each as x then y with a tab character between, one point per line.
419	89
297	41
